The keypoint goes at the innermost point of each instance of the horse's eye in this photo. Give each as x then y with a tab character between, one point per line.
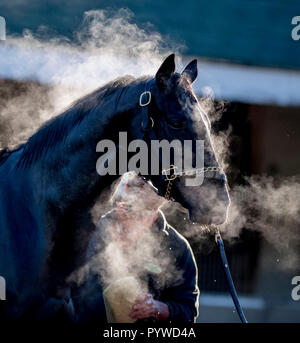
176	124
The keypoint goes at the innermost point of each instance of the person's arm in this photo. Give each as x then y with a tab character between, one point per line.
182	300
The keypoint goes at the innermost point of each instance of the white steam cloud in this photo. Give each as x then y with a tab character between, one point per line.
127	243
270	206
106	46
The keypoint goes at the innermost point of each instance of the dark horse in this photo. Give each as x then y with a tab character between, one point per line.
50	183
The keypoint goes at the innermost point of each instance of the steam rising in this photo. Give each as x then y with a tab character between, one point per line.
134	257
270	206
126	243
106	46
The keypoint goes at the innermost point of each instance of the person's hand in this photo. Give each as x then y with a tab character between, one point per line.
145	307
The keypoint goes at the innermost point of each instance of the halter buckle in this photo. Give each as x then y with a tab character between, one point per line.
145	98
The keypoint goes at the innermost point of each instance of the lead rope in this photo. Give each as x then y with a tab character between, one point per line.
230	283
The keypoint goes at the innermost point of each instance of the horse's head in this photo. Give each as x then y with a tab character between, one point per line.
177	115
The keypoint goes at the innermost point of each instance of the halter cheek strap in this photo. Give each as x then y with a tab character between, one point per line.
147	131
147	122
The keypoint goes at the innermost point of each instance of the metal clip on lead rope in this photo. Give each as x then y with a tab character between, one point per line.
231	287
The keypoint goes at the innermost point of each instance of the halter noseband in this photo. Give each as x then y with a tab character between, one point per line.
168	175
170	178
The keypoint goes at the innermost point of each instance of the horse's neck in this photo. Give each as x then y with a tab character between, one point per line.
77	155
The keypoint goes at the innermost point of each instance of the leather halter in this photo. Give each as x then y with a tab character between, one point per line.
168	175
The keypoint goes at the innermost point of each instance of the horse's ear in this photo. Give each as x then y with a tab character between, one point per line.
191	71
166	70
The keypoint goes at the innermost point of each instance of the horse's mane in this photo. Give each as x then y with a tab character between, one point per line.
56	129
6	152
